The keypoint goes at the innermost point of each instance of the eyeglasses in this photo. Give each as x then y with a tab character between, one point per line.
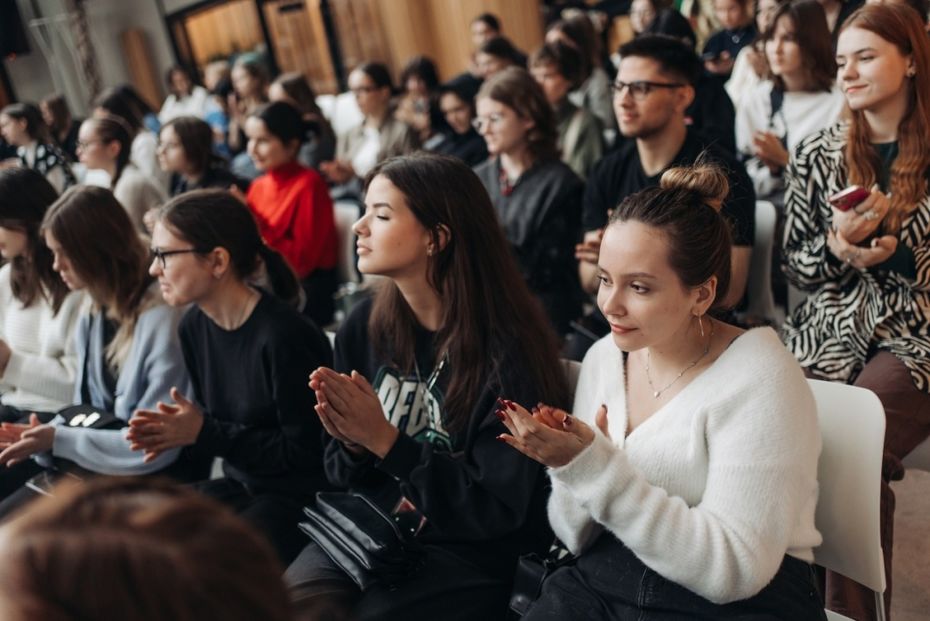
80	144
480	122
640	89
161	255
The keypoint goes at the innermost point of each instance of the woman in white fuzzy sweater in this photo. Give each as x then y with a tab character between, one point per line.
685	482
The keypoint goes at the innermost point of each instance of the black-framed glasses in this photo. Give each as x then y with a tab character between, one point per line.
161	255
640	89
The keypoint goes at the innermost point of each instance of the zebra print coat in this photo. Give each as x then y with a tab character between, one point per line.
850	314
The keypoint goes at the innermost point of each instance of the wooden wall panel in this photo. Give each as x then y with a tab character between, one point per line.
142	71
299	45
220	31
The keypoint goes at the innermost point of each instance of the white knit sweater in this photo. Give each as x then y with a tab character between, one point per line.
40	374
714	488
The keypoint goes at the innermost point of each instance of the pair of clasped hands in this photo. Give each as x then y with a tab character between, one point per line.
546	434
852	227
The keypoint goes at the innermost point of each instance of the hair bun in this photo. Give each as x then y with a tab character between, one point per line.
707	181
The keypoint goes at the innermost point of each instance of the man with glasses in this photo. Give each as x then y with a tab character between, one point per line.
653	89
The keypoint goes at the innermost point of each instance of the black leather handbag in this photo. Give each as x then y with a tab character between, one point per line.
363	540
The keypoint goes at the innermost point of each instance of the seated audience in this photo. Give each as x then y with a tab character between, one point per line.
460	139
185	149
125	104
159	552
38	314
319	144
557	68
737	31
799	101
594	91
487	26
751	67
642	12
495	55
654	87
420	81
867	316
536	196
381	134
685	479
22	126
452	329
104	145
254	415
249	79
292	206
187	98
62	127
128	353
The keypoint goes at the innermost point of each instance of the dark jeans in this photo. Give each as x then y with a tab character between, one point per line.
447	587
274	514
907	424
608	582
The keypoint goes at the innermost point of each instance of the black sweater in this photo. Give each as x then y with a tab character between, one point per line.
252	386
483	500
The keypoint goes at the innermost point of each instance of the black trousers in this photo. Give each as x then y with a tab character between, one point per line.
274	514
447	587
609	582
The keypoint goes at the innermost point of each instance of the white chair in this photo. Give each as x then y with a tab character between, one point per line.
572	369
852	424
346	213
761	302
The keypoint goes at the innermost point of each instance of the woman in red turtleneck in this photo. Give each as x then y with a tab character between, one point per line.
292	205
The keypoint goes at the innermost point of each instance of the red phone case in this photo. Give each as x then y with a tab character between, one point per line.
849	198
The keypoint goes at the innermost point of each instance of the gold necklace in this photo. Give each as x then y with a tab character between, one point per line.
658	393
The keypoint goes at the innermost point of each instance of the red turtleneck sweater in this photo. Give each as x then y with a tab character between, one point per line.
295	216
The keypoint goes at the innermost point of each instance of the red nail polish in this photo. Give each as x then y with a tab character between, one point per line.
500	415
512	406
568	421
501	438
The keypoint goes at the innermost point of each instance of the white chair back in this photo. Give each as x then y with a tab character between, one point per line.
852	424
761	302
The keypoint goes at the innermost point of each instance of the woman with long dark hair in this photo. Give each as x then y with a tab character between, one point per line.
38	314
866	269
185	149
22	126
319	143
410	401
254	415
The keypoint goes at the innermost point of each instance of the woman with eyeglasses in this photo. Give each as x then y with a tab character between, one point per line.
38	314
127	349
104	144
865	266
410	401
537	196
381	135
248	353
292	206
22	126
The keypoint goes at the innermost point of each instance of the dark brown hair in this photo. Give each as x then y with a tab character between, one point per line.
814	41
196	138
25	195
581	34
209	219
895	23
296	87
516	89
566	60
490	318
105	250
686	208
61	114
109	129
137	549
35	124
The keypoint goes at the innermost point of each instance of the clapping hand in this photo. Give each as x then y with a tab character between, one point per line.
170	426
548	435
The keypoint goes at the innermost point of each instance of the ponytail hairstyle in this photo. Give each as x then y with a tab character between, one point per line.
110	128
105	250
895	23
209	219
686	208
25	195
35	124
490	320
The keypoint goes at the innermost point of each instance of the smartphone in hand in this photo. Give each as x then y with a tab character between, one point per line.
849	198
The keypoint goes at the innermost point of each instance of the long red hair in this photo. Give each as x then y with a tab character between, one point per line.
897	25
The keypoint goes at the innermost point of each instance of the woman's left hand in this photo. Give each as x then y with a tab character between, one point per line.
535	435
350	410
171	426
861	257
769	149
33	438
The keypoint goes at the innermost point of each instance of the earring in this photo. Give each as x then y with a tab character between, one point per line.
701	325
429	251
911	72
